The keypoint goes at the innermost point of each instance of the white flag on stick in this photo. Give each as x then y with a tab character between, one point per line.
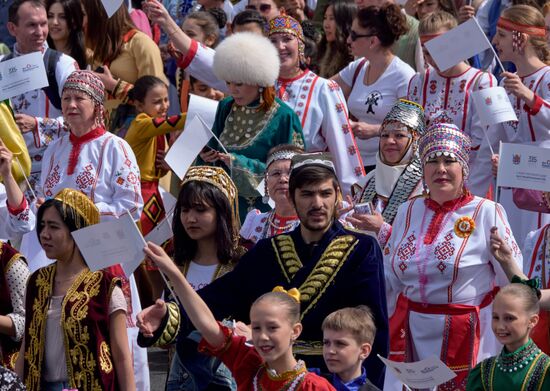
459	44
188	145
493	106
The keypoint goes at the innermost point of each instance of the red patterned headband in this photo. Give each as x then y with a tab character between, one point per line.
533	31
427	37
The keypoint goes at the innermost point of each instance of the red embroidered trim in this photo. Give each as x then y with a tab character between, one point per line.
440	211
77	146
14	211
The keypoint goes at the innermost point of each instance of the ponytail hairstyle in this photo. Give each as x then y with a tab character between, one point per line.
387	22
529	16
142	87
436	21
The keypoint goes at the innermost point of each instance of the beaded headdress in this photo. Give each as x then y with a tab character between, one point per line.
408	113
88	82
81	204
322	159
285	154
217	177
445	140
286	24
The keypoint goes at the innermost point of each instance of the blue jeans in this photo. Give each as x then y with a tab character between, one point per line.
194	371
54	386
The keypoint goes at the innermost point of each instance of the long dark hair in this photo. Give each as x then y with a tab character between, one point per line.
195	193
74	17
334	56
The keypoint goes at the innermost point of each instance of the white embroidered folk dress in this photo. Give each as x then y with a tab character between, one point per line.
533	126
455	268
48	119
106	171
450	98
318	102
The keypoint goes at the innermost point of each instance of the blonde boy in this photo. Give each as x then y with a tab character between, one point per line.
348	335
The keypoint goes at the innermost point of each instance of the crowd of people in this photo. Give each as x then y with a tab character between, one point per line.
345	209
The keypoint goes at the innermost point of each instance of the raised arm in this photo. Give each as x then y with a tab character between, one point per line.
196	309
158	14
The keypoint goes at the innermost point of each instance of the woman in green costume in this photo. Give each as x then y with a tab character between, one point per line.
252	120
521	366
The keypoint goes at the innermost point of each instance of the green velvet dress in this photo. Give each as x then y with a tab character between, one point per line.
526	369
248	135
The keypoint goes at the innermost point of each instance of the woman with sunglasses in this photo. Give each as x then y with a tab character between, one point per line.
319	103
375	81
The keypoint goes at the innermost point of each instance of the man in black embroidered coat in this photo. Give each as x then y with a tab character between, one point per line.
331	266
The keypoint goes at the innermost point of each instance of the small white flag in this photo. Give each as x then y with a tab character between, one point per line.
493	106
459	44
113	242
188	145
204	107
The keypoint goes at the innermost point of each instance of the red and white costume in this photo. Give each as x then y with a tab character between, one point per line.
533	126
318	102
438	257
450	98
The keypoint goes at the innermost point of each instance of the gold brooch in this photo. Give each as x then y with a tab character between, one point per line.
464	227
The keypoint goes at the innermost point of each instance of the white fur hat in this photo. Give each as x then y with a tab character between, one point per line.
247	58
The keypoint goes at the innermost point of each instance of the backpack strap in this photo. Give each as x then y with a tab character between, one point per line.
51	57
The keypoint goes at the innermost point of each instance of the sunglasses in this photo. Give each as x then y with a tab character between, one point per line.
353	35
263	7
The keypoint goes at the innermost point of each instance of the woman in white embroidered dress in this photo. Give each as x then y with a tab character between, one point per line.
283	217
102	166
373	82
521	39
318	102
446	95
439	257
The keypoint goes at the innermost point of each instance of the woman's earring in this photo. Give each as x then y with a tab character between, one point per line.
261	89
265	198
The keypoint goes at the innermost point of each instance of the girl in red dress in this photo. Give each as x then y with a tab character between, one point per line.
269	364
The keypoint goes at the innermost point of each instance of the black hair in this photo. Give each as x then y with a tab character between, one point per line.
310	52
249	16
336	55
14	9
75	18
142	87
309	175
219	15
192	194
387	22
68	215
